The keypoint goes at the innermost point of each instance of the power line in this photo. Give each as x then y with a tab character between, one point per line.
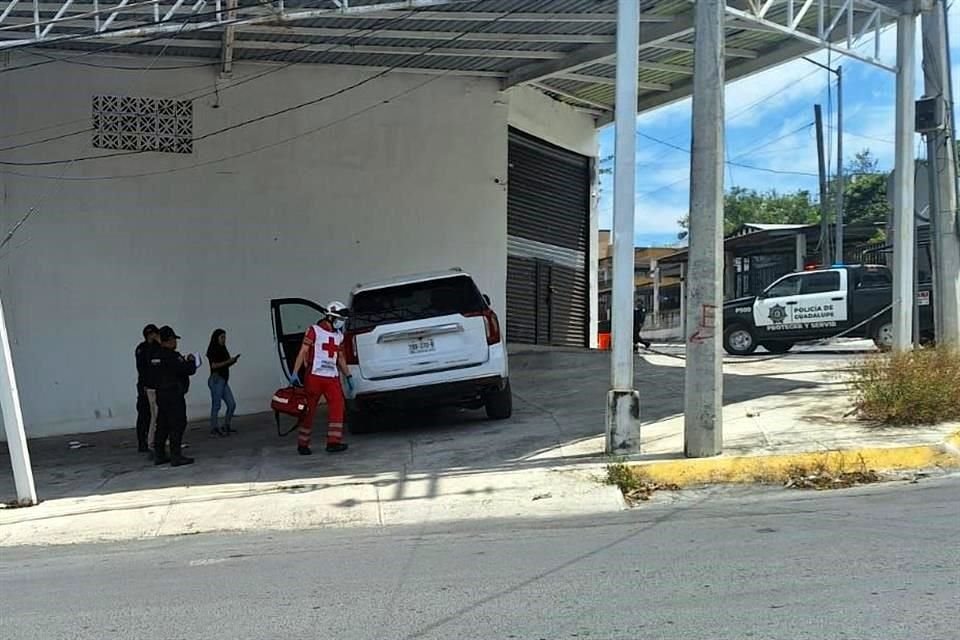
864	136
775	140
250	78
35	208
308	103
274	144
731	162
118	45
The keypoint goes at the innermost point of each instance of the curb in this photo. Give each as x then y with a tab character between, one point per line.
779	467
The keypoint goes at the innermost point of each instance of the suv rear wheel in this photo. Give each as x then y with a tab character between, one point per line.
360	421
777	347
499	404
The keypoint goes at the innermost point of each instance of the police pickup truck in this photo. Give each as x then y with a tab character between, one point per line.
852	301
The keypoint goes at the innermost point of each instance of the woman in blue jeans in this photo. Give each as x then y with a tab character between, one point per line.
220	362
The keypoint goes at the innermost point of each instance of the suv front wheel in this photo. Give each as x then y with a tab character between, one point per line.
499	404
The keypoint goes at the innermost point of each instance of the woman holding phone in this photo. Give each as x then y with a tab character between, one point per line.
220	362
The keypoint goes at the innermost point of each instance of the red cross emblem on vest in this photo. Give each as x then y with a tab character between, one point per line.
331	347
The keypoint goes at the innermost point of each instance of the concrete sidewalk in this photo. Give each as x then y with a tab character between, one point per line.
441	466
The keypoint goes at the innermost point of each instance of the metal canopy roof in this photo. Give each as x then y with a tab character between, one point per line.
564	48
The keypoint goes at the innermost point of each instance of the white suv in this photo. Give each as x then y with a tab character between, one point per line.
420	341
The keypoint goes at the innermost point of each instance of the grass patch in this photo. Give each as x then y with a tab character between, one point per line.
908	388
634	483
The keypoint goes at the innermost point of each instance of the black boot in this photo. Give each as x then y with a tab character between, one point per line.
180	461
336	447
304	451
160	457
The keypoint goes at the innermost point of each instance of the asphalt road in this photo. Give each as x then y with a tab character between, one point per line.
879	562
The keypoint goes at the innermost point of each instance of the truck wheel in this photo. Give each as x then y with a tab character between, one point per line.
360	421
883	336
738	340
777	347
499	404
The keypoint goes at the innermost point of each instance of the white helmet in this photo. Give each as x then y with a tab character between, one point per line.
336	310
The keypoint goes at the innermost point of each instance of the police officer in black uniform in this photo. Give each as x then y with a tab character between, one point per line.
172	377
639	317
143	354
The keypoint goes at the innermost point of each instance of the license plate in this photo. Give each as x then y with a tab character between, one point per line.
422	346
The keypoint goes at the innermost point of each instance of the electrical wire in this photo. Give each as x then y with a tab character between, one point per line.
731	162
266	116
216	90
117	45
63	174
259	118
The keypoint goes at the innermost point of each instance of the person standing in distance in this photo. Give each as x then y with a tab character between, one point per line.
219	382
146	389
321	353
639	317
172	373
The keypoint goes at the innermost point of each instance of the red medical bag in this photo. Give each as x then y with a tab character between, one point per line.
291	401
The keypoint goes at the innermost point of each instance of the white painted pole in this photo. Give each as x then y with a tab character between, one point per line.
623	401
801	250
903	209
945	235
13	421
703	383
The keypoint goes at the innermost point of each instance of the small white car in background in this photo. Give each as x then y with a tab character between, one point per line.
421	341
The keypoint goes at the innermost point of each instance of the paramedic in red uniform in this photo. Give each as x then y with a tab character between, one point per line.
324	361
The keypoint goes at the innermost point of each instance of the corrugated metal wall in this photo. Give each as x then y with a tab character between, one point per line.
548	222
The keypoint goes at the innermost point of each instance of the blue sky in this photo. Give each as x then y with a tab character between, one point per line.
767	117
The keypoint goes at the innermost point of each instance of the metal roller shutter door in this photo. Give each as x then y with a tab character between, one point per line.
548	215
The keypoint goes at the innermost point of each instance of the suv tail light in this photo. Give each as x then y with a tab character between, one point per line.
492	323
350	353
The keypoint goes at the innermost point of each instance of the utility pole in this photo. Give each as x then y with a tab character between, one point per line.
13	421
623	401
703	375
838	219
838	216
822	164
941	156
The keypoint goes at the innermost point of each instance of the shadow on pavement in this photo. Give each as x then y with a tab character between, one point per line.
559	401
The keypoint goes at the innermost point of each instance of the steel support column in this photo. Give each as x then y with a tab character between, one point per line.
623	401
703	383
903	192
13	421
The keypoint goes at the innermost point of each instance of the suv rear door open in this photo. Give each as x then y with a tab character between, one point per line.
291	318
420	327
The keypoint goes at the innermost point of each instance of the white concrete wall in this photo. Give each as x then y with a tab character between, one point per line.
564	126
408	186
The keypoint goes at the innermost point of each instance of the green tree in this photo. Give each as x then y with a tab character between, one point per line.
864	191
744	206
